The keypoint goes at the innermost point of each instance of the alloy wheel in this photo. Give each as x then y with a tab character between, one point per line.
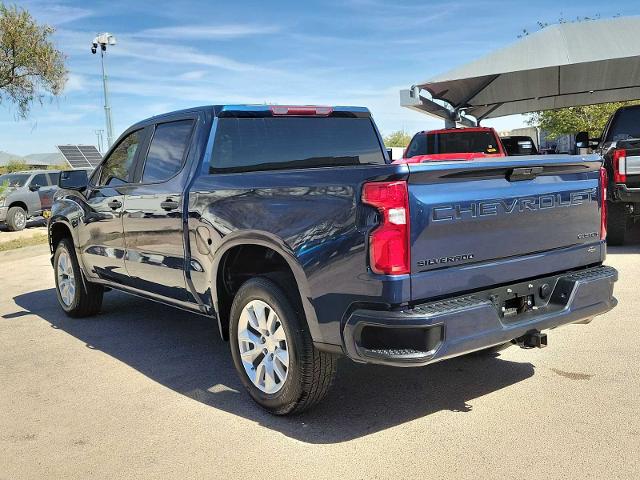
263	346
20	219
66	278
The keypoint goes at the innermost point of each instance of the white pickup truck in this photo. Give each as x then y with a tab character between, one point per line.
25	195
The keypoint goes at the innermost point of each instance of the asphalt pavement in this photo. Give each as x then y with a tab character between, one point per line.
146	391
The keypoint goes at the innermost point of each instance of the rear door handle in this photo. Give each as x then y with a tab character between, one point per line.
169	204
115	204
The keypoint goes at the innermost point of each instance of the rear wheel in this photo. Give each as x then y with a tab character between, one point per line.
77	297
617	223
273	351
16	219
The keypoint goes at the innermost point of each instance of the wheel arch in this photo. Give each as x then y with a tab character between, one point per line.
21	204
57	230
254	246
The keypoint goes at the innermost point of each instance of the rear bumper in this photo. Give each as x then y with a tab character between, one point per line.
456	326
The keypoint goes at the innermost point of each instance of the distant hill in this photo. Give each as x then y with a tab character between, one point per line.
34	159
7	157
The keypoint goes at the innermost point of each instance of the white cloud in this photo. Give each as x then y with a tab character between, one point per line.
57	14
176	54
75	83
193	75
209	32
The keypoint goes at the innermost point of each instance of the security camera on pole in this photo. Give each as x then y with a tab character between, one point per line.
101	42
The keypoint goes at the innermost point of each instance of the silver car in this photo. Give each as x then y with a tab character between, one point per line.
24	195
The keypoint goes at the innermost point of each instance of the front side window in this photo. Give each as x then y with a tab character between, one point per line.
167	150
39	180
118	168
250	144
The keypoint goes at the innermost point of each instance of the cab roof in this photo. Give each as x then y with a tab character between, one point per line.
265	110
455	130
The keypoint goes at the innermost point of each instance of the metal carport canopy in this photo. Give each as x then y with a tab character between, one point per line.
563	65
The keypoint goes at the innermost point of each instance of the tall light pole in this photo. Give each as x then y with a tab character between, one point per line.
101	42
99	135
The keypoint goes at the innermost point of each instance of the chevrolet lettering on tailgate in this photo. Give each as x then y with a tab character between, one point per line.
486	208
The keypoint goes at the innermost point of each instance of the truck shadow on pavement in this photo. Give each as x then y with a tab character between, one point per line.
183	352
632	242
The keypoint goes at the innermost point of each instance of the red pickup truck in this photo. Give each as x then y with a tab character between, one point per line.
453	144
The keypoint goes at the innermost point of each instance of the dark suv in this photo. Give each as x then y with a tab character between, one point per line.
620	148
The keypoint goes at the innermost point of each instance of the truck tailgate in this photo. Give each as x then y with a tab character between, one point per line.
490	213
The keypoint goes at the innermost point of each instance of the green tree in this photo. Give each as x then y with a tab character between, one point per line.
397	139
16	166
30	64
587	118
59	166
4	186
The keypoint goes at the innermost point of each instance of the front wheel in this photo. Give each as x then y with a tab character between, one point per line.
78	298
16	219
273	351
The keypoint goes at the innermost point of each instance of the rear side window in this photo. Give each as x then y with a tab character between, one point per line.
167	150
626	125
53	178
453	142
249	144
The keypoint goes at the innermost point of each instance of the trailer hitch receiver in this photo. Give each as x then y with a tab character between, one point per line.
534	339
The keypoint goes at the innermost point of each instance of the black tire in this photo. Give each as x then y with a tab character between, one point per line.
617	223
16	219
310	371
87	299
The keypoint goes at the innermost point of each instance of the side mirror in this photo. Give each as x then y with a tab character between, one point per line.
34	187
74	180
582	140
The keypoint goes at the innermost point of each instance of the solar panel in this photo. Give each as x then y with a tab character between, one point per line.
80	156
91	153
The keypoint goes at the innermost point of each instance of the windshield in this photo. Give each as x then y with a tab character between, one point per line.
519	146
14	179
626	125
453	142
246	144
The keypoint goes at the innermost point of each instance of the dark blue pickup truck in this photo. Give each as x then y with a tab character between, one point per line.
290	227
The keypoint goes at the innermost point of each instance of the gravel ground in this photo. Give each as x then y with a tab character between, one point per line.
34	228
146	391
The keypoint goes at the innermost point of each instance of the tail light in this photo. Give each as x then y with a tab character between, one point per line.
280	110
389	249
604	183
620	166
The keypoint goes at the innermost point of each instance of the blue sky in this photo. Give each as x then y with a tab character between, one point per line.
176	54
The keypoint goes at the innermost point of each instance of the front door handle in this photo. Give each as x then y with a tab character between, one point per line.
169	204
115	204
